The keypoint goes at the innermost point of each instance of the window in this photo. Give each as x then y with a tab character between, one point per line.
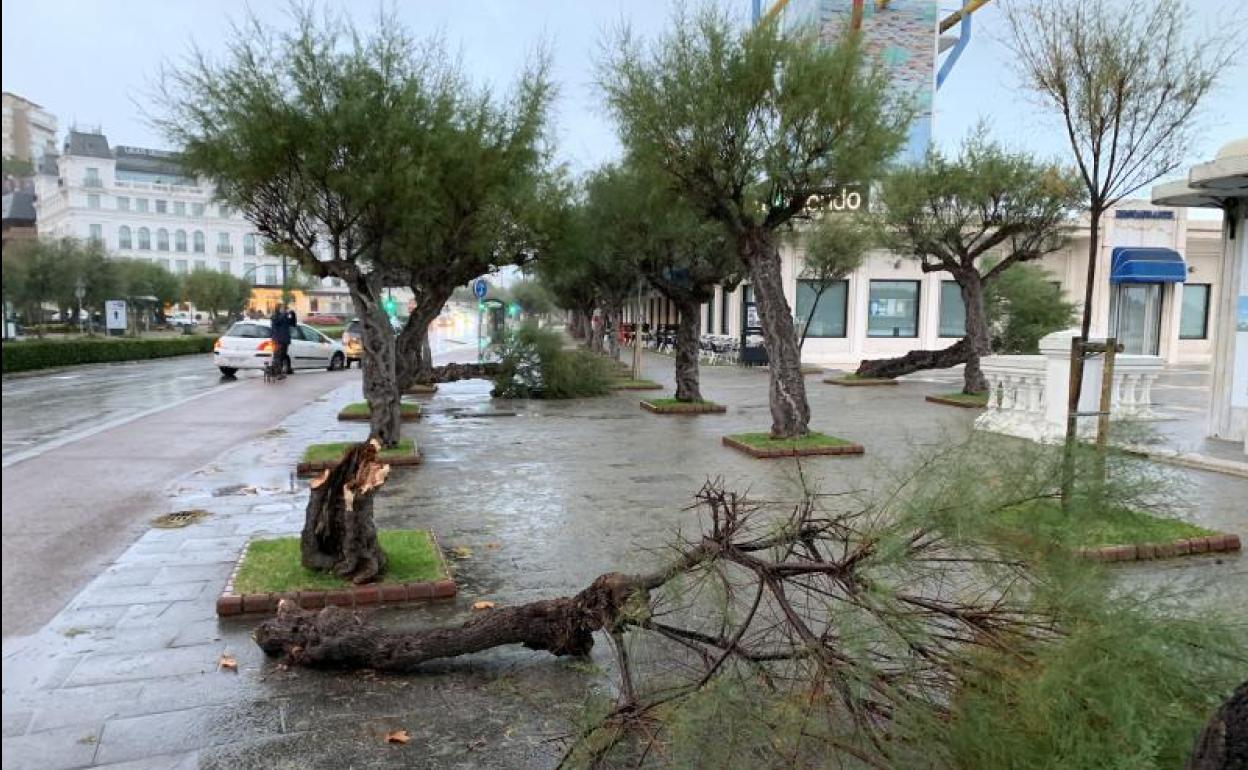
249	272
952	310
179	208
201	264
225	211
181	263
224	266
223	243
197	209
199	242
249	244
140	205
97	233
123	237
179	240
93	201
710	317
723	309
829	317
893	309
270	275
162	207
93	178
1194	319
123	203
162	239
145	238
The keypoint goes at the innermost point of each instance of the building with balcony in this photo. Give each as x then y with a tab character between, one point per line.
142	205
28	130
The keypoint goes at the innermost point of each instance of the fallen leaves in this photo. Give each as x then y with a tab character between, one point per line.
227	663
398	736
461	552
483	605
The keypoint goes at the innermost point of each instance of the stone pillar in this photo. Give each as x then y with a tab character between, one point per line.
1228	406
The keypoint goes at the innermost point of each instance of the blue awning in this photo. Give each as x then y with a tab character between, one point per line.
1138	264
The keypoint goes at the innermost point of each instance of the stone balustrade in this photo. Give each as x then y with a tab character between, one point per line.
1027	394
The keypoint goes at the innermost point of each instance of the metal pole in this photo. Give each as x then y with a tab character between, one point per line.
1102	419
637	338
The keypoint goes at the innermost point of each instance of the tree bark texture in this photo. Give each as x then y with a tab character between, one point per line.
336	637
978	342
687	380
472	371
381	387
790	411
915	361
1223	745
413	359
338	530
612	315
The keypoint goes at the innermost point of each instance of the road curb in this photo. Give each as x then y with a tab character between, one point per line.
1219	543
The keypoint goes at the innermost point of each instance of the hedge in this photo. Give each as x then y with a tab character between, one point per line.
28	355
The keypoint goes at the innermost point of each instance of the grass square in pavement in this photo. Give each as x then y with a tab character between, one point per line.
1110	526
360	409
961	399
316	453
627	383
809	441
854	379
273	565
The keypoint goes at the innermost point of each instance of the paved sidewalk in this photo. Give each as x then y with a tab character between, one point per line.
543	501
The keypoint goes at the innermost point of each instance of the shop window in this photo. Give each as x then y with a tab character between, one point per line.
893	309
1194	318
952	310
830	310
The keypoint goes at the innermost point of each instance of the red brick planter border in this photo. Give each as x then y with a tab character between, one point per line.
637	386
953	402
367	595
844	449
705	407
1221	543
313	468
868	383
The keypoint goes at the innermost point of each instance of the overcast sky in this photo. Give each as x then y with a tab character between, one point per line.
93	62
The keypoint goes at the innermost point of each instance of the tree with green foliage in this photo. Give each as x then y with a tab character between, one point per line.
147	286
832	247
321	137
532	297
479	202
642	229
1022	306
747	126
218	293
974	217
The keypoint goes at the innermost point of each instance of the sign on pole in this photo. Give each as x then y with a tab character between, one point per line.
115	315
479	288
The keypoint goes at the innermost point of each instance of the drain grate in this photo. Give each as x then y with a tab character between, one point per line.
179	518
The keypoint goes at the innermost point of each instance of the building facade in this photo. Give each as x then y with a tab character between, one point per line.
141	205
28	130
889	307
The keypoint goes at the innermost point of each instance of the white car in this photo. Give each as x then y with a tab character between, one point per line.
247	345
181	319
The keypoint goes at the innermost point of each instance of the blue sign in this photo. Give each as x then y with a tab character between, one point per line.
1142	214
479	288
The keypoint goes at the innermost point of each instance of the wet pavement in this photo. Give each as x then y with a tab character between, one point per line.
540	503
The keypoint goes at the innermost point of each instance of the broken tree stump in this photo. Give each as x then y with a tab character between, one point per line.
338	530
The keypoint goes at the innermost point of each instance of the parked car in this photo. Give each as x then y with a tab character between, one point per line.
323	319
246	345
181	319
353	339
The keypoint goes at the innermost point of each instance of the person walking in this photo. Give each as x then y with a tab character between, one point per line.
279	332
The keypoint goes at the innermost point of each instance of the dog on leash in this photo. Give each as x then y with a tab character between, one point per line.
270	372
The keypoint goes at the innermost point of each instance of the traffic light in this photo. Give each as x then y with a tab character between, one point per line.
389	305
513	310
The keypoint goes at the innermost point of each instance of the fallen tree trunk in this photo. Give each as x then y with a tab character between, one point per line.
915	361
1223	745
453	372
338	530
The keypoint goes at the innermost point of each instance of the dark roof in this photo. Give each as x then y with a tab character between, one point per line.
19	207
149	161
90	145
47	164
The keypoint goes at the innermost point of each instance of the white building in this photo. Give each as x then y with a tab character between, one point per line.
28	130
889	306
141	205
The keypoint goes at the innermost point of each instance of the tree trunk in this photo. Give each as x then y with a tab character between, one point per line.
790	412
978	342
338	531
915	361
1223	744
687	385
381	387
413	359
612	315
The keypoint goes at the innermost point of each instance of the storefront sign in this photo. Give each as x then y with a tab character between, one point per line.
1142	214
